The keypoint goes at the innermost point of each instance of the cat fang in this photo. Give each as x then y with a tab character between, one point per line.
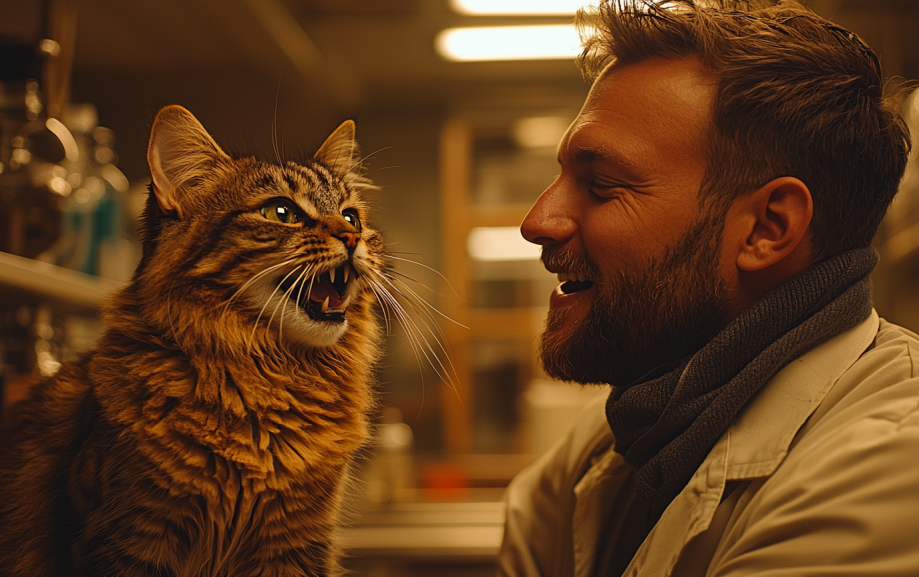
321	300
312	307
328	300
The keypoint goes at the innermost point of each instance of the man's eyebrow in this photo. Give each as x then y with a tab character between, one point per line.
591	154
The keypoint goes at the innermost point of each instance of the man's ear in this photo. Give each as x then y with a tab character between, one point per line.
774	223
182	157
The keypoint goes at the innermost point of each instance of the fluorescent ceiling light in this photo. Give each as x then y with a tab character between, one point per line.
518	7
509	43
500	243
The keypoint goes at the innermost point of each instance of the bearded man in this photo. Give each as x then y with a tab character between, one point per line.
711	227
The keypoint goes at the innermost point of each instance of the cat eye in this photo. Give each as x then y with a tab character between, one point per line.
351	216
280	210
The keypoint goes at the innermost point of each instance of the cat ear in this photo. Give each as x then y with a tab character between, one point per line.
338	150
182	156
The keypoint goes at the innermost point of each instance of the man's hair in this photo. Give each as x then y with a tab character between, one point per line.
796	96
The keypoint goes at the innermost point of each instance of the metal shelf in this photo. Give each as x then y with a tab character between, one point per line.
54	283
432	530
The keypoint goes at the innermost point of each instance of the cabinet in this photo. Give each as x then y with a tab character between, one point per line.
489	181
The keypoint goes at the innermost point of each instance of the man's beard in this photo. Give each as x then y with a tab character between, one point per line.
645	319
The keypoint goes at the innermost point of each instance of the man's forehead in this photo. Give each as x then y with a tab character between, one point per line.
683	82
653	99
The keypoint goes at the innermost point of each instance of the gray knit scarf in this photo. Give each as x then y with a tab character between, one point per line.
665	426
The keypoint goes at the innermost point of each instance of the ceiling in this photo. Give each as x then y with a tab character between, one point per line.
241	65
313	62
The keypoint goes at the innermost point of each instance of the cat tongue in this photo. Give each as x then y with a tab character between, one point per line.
322	288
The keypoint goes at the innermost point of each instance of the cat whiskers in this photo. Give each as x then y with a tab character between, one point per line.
424	306
418	338
274	126
419	304
306	270
416	297
264	306
309	289
252	280
415	336
433	270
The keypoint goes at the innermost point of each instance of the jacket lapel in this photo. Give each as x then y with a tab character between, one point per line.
752	448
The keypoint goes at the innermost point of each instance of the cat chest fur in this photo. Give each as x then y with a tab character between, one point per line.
240	456
272	421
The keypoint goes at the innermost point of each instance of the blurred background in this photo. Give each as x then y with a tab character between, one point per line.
459	133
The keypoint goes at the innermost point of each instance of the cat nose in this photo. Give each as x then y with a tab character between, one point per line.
349	238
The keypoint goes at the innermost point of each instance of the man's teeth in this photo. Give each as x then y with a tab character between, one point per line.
571	276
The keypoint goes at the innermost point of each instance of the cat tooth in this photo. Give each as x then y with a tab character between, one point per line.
346	302
325	304
562	277
346	268
332	274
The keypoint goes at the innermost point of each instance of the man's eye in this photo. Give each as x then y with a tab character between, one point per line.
605	189
280	211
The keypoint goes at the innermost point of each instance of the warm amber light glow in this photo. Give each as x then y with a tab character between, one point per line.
518	7
500	243
540	131
509	43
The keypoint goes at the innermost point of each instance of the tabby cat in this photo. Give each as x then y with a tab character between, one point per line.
210	431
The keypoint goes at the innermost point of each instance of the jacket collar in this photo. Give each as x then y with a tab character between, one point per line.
754	446
763	432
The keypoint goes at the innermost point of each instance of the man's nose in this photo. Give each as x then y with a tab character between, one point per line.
549	220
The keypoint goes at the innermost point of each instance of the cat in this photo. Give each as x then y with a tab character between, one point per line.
211	430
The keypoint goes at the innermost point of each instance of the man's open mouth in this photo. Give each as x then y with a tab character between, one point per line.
572	283
323	296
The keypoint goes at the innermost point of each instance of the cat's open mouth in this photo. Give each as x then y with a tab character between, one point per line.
323	297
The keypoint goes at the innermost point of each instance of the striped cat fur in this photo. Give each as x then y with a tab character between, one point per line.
211	430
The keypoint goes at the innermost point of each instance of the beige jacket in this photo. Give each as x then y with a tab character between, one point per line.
818	476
